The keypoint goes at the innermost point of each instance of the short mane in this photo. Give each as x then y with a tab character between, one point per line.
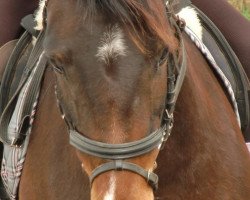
144	19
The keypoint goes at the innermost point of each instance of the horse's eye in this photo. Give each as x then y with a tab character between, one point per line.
162	61
56	67
164	56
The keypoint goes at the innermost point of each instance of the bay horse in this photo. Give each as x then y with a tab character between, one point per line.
236	32
110	63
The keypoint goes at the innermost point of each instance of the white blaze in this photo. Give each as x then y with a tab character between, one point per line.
110	194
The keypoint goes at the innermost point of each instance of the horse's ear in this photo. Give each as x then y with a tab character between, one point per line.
166	1
170	2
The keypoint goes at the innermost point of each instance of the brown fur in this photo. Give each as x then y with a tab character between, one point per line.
199	160
51	161
204	158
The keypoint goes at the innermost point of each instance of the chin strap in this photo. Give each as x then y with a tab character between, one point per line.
119	165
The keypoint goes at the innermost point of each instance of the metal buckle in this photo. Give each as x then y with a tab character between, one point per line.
168	132
16	143
168	129
169	116
148	176
119	165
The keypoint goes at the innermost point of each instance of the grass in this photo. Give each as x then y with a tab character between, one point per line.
239	5
246	13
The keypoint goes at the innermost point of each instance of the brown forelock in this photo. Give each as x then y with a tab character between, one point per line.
145	20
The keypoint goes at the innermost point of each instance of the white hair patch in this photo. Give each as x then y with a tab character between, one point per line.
39	15
110	195
112	45
191	17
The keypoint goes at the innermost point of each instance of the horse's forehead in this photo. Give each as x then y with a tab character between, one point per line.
106	40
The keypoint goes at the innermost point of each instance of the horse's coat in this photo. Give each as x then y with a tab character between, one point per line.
190	164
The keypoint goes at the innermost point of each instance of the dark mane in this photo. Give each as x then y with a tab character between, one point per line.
145	20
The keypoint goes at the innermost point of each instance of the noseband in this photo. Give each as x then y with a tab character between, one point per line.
118	152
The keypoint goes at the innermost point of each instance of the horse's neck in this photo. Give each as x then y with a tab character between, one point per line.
206	144
204	115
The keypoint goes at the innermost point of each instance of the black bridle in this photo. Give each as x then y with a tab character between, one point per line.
117	153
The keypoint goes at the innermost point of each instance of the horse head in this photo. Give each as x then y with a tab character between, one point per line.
110	60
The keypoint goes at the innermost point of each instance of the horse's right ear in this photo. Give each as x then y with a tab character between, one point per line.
168	1
165	1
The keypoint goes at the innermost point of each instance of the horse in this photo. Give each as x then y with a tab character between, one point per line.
110	62
235	32
211	8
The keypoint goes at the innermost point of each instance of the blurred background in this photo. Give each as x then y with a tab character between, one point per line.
243	6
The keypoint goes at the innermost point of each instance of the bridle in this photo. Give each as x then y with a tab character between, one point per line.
117	153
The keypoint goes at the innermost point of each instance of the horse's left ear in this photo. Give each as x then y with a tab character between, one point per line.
165	1
170	2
